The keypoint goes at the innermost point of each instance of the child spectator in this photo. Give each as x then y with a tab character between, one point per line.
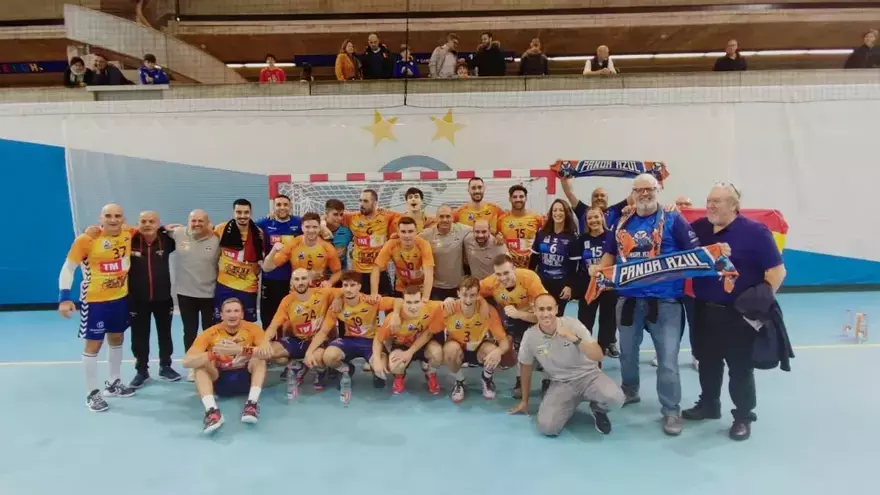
152	73
306	74
76	75
272	74
461	69
406	67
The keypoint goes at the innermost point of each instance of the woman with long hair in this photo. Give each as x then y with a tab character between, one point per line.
555	255
348	66
591	246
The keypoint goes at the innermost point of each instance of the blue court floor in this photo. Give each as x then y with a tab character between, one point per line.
818	430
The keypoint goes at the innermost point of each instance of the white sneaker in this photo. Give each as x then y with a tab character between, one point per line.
367	367
191	375
654	362
696	364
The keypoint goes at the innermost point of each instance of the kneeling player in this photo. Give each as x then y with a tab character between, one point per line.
467	339
222	357
414	339
301	313
360	314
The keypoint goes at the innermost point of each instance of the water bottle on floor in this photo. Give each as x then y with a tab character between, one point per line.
345	387
294	376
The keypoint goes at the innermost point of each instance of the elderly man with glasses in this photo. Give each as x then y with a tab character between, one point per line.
721	332
646	232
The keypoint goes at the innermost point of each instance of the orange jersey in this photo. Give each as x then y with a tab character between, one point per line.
422	221
467	215
519	233
235	272
409	263
369	235
473	331
429	319
301	315
316	259
248	335
104	261
361	319
528	287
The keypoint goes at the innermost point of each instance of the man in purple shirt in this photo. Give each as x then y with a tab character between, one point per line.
721	333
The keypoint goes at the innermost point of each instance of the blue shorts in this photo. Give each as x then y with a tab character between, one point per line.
354	347
233	382
99	318
295	347
249	299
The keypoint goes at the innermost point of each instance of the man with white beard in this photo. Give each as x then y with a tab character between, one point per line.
645	233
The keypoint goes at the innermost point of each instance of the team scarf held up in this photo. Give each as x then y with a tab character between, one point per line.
609	168
699	262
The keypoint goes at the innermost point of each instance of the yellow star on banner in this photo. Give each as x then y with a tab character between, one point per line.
381	128
446	127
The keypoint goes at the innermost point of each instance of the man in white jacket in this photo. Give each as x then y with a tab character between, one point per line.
444	58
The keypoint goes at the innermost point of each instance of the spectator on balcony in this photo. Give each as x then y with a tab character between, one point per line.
107	74
444	60
378	63
272	73
152	73
488	61
533	62
77	75
601	63
461	69
406	67
306	74
348	66
732	59
866	56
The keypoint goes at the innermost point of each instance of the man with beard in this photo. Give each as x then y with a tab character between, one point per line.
307	251
281	228
476	209
371	229
481	249
518	227
241	250
599	199
645	233
446	239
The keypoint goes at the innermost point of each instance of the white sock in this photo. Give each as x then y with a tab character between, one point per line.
432	369
488	374
91	365
459	375
115	360
209	402
254	395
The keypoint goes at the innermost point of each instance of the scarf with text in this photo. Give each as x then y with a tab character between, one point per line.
610	168
704	261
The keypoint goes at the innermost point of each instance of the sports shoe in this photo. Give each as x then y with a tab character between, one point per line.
367	367
433	384
457	394
517	389
673	424
603	424
654	362
213	420
320	380
613	350
191	375
378	382
631	396
696	364
702	411
251	413
488	388
139	380
741	430
95	402
117	389
168	374
399	385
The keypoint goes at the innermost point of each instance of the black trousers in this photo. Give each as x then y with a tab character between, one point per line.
272	292
385	288
140	312
554	288
688	303
438	294
606	307
721	335
191	308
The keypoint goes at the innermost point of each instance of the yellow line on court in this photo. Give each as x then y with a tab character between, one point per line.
643	351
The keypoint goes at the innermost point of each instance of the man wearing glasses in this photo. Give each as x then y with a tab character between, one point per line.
646	232
721	332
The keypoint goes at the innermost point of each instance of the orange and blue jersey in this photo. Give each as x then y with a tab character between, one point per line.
370	234
471	331
301	316
429	319
319	259
249	335
468	215
409	263
105	261
519	232
528	287
362	319
283	232
234	271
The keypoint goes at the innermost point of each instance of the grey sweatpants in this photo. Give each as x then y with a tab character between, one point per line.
562	398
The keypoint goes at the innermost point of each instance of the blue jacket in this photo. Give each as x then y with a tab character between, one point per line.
401	66
158	75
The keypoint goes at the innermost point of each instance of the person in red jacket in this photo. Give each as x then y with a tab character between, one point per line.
272	74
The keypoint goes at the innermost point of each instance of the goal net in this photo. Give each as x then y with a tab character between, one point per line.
309	193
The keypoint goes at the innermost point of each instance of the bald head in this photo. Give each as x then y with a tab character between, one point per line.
112	218
602	52
683	202
299	280
599	198
198	222
481	231
148	223
444	218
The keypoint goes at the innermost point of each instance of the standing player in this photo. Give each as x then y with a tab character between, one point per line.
469	335
224	363
342	236
307	251
104	261
241	250
518	227
300	315
360	314
414	339
591	244
371	229
281	228
413	261
415	202
555	255
476	209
